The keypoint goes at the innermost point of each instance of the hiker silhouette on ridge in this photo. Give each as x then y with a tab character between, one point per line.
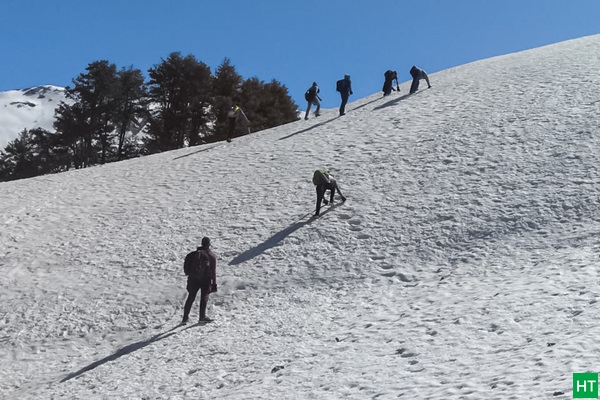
418	74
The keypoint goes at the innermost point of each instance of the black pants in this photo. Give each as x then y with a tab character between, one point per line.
387	87
345	97
321	189
231	129
193	286
415	85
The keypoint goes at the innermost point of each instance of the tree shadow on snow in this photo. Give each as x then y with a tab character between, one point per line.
274	240
124	351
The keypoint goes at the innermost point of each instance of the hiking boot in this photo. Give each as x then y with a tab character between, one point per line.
205	319
325	202
343	199
185	321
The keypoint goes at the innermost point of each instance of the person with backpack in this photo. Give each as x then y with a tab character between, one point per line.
200	266
323	182
312	97
388	84
344	86
418	74
233	115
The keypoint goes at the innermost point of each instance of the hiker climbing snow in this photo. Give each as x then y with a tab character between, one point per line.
388	84
312	97
323	181
418	74
344	86
233	115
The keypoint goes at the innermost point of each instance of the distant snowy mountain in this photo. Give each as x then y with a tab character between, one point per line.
28	109
463	265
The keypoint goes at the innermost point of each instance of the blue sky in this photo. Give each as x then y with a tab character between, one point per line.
44	42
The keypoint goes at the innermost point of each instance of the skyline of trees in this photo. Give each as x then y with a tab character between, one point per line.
182	104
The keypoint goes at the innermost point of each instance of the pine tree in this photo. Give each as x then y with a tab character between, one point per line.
96	92
225	91
267	104
179	89
70	122
130	109
16	158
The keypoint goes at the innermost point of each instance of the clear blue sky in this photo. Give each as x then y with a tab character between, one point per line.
51	42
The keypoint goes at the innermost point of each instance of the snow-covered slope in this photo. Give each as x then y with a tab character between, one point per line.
463	265
28	109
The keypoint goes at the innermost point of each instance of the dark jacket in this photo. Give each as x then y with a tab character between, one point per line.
212	260
346	88
312	93
417	73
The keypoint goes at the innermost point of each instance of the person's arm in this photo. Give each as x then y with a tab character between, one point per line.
244	115
213	267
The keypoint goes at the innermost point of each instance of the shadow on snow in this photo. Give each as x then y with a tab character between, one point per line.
397	100
307	129
275	239
196	152
124	351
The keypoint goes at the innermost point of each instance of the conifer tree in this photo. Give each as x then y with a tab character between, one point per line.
16	158
226	86
179	89
130	109
267	104
70	122
95	91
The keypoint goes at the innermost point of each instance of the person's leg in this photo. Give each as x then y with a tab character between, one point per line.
331	188
343	105
204	294
318	105
192	289
231	129
387	88
320	195
337	188
427	80
415	85
307	109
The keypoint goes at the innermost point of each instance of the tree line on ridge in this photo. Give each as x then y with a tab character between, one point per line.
113	114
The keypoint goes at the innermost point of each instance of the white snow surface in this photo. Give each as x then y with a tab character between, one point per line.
464	263
28	109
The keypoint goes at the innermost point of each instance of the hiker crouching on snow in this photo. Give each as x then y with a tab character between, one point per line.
417	74
388	84
323	182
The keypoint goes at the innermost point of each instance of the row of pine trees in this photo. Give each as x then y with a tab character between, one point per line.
113	114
